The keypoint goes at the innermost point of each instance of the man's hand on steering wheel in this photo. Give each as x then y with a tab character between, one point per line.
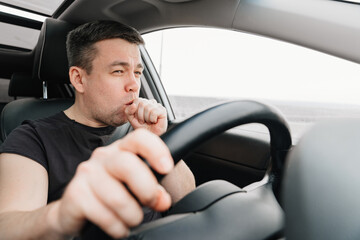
99	190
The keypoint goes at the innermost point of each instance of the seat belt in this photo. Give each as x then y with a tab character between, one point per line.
119	133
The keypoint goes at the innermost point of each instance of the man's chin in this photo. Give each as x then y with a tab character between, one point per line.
118	123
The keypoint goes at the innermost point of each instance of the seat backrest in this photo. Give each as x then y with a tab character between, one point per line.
50	59
23	85
15	112
321	185
51	67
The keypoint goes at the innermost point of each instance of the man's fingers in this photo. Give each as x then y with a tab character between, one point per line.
107	220
91	207
157	113
140	112
146	111
142	142
131	109
149	114
123	163
163	200
133	172
115	196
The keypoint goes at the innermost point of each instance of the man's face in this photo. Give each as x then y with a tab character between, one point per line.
114	81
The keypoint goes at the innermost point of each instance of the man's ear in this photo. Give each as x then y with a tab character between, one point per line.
76	75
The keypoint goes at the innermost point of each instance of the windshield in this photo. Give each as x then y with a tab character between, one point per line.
307	86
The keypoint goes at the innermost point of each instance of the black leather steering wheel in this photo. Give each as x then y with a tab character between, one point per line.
201	127
220	210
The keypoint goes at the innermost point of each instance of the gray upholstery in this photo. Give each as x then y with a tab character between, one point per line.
322	182
15	112
50	65
23	85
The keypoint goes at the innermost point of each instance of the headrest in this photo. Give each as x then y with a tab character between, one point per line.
50	63
322	182
23	85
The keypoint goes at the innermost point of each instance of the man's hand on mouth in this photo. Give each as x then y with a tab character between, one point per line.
148	114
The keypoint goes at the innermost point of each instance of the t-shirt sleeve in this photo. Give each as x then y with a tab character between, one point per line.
25	141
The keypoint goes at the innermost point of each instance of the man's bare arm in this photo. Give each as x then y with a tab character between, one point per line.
179	182
23	197
29	225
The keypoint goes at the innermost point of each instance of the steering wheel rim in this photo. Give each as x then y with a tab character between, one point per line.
188	134
209	123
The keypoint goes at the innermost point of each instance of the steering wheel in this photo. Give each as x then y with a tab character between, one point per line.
218	209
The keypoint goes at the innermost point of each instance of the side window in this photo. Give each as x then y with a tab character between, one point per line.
200	67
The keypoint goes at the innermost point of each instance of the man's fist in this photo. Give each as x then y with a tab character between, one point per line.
148	114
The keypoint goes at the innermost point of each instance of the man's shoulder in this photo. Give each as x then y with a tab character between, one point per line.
53	121
38	128
32	138
31	135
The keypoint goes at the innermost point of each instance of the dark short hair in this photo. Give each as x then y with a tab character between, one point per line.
80	41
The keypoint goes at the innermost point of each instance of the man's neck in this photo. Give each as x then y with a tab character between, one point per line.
74	113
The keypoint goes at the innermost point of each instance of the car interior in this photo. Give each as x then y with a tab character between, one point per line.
248	186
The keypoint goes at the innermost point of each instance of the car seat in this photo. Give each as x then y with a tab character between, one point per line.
50	68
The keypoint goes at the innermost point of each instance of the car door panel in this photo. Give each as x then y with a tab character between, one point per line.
238	157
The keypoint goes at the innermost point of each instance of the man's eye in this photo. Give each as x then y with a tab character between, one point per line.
138	73
118	71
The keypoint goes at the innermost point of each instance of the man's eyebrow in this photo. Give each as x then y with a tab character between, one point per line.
140	66
125	64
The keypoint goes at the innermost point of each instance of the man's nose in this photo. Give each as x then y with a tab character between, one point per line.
133	83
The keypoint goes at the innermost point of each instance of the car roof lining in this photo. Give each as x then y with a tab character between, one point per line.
257	17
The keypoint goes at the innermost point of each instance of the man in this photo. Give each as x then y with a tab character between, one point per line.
48	190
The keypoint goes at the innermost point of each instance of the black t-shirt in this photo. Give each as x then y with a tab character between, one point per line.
59	144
